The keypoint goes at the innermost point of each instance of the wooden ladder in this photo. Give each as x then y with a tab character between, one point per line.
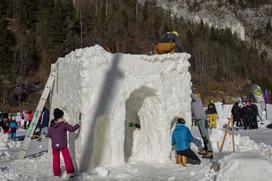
48	87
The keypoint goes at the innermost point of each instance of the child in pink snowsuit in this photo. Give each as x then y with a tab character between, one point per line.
57	132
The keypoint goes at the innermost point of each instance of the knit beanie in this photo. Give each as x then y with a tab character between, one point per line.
58	113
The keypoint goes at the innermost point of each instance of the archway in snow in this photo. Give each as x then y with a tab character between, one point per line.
173	123
133	105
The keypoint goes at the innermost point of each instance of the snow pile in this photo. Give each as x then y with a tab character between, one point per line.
242	143
7	175
245	144
101	171
248	167
109	91
216	138
3	141
269	112
5	145
244	163
27	169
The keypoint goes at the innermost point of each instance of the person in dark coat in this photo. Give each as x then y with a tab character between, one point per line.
1	120
254	114
236	114
169	43
5	123
57	132
44	122
246	116
181	139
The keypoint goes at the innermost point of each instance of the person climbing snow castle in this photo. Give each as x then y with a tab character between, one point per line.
57	132
200	117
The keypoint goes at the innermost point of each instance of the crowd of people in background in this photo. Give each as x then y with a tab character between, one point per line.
11	122
245	114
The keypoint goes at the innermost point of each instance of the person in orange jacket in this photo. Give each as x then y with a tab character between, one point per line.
169	43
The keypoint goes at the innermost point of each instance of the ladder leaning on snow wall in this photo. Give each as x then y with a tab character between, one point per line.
48	87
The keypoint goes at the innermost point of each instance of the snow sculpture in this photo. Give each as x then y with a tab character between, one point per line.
108	91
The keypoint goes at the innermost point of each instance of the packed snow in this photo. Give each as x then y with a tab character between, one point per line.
111	90
249	155
250	166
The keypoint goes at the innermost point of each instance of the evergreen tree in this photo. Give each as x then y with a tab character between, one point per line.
7	41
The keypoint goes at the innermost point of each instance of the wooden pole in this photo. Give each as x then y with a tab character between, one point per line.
225	135
233	141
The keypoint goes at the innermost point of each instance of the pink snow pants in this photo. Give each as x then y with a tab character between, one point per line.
67	161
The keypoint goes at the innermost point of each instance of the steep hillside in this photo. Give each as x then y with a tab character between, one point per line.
250	20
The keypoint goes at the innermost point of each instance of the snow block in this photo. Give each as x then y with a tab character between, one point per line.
245	166
107	92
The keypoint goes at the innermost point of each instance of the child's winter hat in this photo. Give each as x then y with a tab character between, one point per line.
58	113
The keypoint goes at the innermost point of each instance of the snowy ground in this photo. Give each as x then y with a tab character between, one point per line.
252	161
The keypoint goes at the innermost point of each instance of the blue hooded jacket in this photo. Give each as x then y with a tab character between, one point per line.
13	125
181	137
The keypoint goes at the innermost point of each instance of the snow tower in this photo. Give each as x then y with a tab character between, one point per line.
108	92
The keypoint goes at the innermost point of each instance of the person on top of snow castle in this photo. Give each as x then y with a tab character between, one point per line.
57	132
169	43
181	138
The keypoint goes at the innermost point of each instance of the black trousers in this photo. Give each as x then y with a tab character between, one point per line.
238	120
192	157
247	122
254	122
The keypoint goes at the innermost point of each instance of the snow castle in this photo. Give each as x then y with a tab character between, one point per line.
106	92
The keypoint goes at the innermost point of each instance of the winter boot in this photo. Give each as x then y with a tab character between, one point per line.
208	155
202	152
178	159
183	160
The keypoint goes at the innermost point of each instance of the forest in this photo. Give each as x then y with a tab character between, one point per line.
34	33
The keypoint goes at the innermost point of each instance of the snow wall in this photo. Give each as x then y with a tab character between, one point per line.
108	91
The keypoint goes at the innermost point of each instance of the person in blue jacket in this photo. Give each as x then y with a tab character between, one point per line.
181	139
13	128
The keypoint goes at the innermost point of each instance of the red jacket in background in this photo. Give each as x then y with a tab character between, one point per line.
30	116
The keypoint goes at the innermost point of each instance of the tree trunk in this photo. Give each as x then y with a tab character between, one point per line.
81	42
107	7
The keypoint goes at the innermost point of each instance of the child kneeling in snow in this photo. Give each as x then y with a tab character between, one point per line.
181	138
57	132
